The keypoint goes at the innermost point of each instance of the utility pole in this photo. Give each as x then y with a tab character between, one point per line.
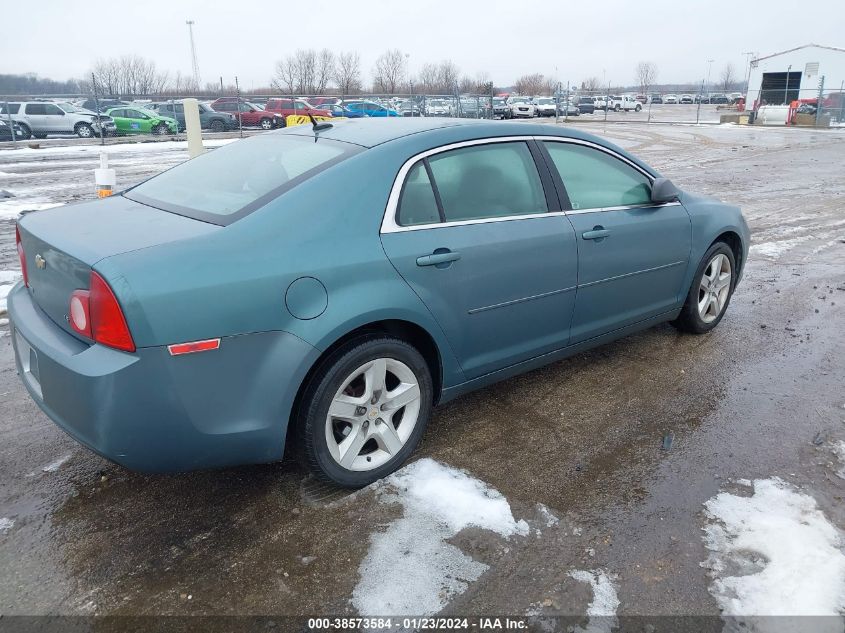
194	64
786	87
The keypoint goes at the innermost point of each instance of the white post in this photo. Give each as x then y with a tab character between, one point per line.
193	127
104	178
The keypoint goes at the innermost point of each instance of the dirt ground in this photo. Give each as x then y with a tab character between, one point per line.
581	440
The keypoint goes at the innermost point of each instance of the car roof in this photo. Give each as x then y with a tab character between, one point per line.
436	131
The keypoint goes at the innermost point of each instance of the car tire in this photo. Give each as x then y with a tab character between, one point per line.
708	286
161	129
218	126
638	108
26	133
341	380
266	124
83	130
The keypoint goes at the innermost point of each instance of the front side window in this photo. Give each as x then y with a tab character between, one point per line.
488	181
237	178
53	109
594	179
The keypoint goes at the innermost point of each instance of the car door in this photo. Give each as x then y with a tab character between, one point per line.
632	253
36	117
475	229
121	123
55	119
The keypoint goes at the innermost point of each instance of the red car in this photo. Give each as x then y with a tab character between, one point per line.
249	113
323	102
287	107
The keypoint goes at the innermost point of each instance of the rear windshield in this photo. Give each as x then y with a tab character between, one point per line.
229	182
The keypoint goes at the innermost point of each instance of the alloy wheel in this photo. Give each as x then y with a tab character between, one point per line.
715	288
373	414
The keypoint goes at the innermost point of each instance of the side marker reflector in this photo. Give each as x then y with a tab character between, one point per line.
195	346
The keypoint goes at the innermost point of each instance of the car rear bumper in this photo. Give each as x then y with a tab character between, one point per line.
153	412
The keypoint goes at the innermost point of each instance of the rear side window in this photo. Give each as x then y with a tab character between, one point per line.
594	179
35	108
418	204
233	180
488	181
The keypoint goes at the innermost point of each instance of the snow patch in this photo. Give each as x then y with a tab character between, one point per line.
602	609
54	466
547	515
777	248
410	568
8	278
839	451
6	524
774	553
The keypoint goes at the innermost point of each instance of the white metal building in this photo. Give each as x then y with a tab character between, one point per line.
795	74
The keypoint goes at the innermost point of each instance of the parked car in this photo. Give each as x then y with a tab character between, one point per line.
6	131
438	107
209	119
522	107
600	102
719	98
324	102
701	98
686	99
736	96
139	121
546	106
409	108
641	98
104	104
341	111
586	104
370	109
625	103
289	107
500	108
134	328
248	113
42	118
656	98
671	99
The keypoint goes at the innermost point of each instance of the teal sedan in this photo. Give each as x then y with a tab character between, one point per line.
323	289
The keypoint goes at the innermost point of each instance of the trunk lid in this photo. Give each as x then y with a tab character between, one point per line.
62	245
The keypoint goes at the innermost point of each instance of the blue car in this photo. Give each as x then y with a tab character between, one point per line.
370	108
342	111
324	288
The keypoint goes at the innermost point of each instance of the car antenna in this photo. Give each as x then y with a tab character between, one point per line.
319	127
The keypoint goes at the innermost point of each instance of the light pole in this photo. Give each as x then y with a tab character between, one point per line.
709	66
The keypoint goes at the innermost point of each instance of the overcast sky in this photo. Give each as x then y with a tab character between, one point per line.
505	38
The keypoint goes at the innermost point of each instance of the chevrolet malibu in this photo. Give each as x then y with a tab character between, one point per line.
322	289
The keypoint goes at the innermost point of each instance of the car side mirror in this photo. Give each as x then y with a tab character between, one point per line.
662	190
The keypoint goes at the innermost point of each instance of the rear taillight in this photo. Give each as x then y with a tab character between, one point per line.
21	255
96	314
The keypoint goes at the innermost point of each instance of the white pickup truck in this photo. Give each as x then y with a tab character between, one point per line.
624	102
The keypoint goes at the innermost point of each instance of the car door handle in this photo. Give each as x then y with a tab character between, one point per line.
598	233
440	256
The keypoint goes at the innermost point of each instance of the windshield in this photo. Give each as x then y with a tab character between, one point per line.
545	101
233	180
68	107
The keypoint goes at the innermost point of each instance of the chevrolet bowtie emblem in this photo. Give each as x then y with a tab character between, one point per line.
40	262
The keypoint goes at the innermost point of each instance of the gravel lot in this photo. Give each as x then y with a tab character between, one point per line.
604	462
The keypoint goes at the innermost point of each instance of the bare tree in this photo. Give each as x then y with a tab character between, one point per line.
348	73
591	84
130	75
646	73
532	84
448	74
728	76
428	78
389	71
324	71
286	76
